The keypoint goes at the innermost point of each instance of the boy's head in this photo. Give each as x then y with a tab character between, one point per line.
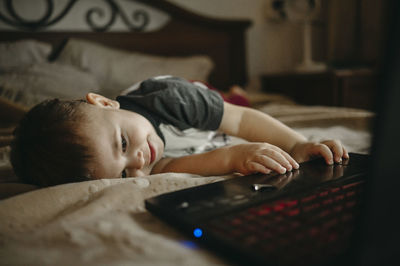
45	142
67	141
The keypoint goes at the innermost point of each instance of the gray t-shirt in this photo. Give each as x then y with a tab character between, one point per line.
176	102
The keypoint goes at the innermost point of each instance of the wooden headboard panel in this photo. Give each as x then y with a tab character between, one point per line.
186	33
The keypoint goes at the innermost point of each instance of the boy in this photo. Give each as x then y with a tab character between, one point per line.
65	141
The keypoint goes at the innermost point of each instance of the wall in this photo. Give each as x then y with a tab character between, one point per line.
271	46
348	32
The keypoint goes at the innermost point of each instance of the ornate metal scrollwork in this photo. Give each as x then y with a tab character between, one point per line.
140	18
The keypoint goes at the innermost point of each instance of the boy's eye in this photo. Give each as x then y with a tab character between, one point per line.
123	174
123	143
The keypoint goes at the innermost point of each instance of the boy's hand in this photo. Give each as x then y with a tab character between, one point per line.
259	157
331	150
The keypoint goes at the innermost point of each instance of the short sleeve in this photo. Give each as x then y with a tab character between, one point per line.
177	102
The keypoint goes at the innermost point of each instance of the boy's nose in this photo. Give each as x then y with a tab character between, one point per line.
137	160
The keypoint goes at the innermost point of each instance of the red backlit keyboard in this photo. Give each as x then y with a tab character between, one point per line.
301	229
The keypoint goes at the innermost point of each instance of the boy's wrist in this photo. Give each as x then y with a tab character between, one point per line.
229	153
296	148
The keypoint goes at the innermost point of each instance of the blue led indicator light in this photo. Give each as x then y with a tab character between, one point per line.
197	232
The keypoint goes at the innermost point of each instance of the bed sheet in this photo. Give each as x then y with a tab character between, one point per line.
100	222
353	127
105	222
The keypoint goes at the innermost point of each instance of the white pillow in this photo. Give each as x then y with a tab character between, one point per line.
31	85
23	53
117	70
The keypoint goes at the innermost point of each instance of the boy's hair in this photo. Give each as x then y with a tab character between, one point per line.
47	149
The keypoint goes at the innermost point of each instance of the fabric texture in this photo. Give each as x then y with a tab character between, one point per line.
117	69
32	84
104	222
177	102
23	53
300	116
100	222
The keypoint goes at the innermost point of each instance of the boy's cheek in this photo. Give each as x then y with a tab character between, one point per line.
160	154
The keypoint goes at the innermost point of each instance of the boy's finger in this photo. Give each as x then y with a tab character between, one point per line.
336	147
283	158
270	163
345	153
324	151
292	161
254	167
280	157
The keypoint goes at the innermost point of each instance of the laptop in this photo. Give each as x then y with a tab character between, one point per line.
277	219
344	214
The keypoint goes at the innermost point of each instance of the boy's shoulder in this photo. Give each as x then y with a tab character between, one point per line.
166	83
169	87
137	87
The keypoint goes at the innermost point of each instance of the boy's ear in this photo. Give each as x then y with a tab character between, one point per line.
101	101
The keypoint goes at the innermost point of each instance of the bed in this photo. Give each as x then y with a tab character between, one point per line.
104	221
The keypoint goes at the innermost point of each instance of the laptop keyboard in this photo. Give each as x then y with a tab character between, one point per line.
301	229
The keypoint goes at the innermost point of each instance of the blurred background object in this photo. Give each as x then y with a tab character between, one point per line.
304	12
356	30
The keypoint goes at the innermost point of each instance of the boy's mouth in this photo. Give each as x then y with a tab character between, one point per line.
152	153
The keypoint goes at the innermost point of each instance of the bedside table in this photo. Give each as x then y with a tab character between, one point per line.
349	88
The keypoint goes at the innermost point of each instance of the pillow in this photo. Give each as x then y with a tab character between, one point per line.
31	85
23	53
117	70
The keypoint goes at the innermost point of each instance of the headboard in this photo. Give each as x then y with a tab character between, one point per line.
186	33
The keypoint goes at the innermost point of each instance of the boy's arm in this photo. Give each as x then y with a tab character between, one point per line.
256	126
243	158
258	156
273	147
253	125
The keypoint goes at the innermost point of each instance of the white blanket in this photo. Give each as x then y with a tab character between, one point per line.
100	222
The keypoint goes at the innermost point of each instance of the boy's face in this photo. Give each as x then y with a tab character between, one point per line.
124	143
